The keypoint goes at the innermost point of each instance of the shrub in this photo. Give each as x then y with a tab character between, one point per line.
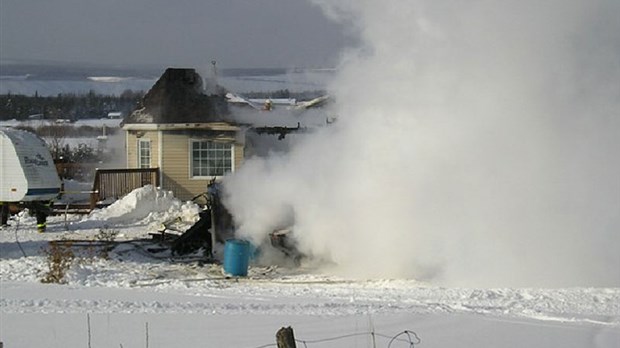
107	237
59	259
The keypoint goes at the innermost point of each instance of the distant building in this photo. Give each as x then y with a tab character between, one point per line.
115	114
36	117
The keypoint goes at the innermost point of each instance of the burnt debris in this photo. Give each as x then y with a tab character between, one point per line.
178	97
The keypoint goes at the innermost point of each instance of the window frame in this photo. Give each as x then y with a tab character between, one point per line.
139	155
229	147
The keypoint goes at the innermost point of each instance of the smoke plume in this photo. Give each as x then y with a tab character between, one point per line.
477	144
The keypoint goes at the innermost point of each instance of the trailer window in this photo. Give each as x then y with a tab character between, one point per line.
209	158
144	153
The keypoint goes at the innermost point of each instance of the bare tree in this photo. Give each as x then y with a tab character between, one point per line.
55	136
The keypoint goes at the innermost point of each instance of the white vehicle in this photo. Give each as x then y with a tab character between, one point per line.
27	171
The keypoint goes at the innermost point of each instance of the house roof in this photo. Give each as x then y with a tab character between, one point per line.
177	97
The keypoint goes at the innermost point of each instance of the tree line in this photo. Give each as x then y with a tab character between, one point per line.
284	94
67	106
74	107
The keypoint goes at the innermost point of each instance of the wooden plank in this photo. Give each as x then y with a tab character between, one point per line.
115	183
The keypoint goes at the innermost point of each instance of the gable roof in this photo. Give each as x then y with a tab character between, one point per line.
177	97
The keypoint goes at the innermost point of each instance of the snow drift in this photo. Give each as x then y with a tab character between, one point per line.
146	204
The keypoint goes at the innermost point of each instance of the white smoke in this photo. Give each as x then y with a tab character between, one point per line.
478	144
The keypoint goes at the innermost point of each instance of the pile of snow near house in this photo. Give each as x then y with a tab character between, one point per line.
148	205
193	304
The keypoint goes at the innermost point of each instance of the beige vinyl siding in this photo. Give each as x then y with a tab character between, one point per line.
176	157
175	160
132	150
171	152
132	147
238	160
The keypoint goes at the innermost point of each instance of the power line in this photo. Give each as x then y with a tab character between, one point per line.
408	336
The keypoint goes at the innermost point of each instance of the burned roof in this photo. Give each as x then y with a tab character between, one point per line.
177	97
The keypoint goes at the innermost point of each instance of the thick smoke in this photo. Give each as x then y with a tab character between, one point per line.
478	144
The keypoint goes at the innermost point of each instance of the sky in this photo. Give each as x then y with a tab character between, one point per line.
236	33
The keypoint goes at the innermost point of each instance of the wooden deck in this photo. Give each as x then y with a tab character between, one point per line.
115	183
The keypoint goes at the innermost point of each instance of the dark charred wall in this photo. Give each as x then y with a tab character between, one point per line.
177	97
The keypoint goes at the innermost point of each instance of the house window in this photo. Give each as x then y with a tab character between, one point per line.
144	153
210	158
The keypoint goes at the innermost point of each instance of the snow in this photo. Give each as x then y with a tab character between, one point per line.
92	122
147	203
109	79
186	303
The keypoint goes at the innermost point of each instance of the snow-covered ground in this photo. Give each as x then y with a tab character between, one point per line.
73	142
94	122
137	298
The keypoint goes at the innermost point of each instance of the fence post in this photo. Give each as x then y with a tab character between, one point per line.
94	195
285	338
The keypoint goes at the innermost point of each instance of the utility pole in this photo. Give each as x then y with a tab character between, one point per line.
214	72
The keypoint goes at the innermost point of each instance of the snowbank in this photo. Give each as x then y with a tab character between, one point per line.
146	205
180	299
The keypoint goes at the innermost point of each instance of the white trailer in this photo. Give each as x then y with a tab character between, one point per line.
27	171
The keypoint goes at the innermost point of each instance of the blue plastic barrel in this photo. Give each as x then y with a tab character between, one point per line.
236	257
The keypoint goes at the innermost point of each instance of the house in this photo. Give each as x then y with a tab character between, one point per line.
189	136
115	114
193	138
36	117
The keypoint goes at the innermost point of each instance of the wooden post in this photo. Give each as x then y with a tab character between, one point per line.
285	338
94	194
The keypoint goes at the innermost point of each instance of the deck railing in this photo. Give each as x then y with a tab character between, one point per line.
115	183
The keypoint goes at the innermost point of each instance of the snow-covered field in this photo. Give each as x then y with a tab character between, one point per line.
295	81
95	122
134	298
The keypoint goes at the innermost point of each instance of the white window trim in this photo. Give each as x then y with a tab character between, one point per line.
139	153
160	157
190	162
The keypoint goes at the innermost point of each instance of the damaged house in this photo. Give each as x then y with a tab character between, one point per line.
188	135
193	138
